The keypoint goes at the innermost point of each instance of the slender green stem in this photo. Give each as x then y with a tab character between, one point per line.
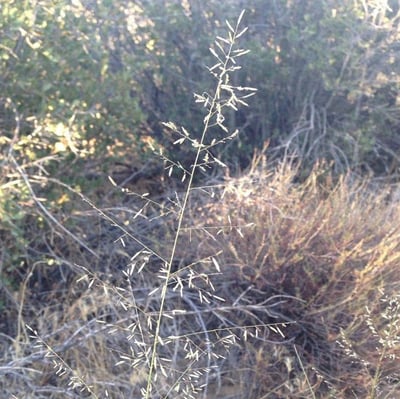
200	148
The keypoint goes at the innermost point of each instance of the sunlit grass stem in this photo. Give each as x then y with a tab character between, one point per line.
213	108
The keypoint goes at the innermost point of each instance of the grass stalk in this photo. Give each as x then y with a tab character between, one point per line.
213	108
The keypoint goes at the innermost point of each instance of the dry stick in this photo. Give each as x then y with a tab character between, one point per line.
72	341
212	110
20	321
107	217
48	216
43	209
304	372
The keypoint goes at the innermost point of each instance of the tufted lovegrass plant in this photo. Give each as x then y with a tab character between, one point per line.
158	297
224	97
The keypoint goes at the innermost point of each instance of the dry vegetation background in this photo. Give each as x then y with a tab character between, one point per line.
268	267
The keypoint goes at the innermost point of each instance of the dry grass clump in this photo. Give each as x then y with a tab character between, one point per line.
278	289
320	262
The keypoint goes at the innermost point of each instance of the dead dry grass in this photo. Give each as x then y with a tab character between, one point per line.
280	289
323	260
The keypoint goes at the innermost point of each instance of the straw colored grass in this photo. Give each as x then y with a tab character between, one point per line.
319	259
278	289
